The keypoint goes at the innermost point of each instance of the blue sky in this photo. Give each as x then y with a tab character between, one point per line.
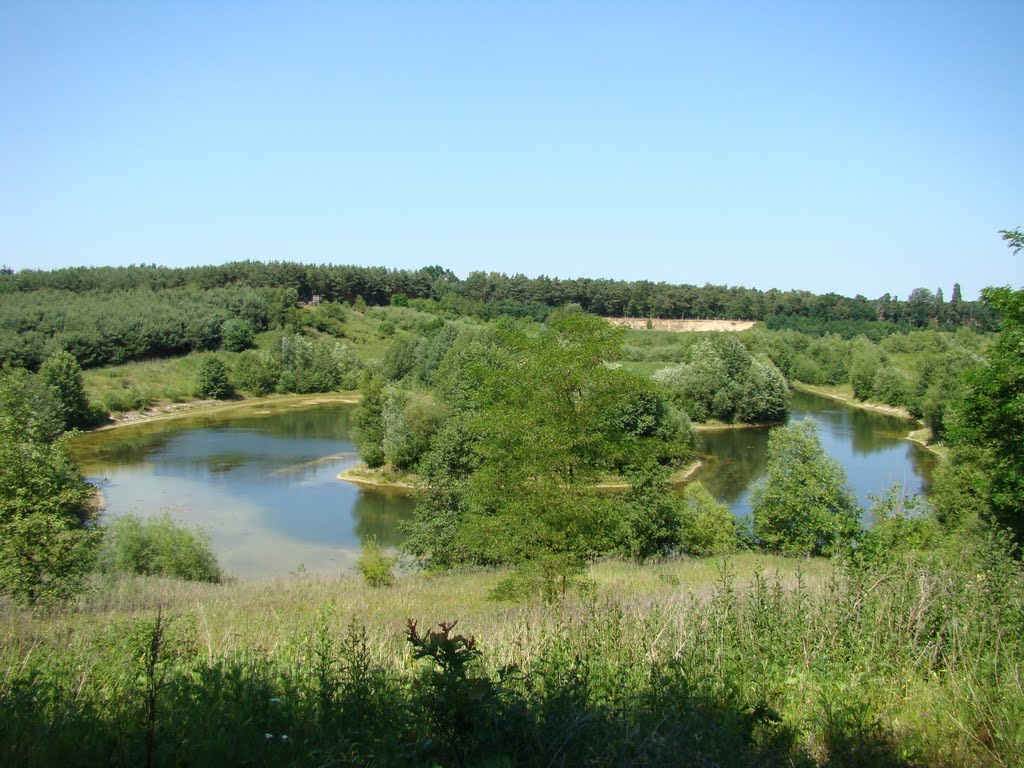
864	147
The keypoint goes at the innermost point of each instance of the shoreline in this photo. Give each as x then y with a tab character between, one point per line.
171	411
353	475
886	410
356	476
921	435
721	426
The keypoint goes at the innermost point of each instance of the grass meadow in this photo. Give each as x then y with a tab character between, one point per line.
747	660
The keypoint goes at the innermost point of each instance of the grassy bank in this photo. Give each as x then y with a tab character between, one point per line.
747	661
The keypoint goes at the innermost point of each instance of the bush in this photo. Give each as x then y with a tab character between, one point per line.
707	526
721	380
158	546
45	550
900	525
374	565
891	386
805	506
237	334
212	379
63	375
256	372
322	365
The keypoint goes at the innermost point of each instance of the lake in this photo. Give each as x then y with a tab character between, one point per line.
871	447
262	480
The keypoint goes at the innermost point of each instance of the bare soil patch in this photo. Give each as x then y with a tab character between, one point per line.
681	326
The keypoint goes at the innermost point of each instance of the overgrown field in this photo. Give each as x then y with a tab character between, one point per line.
744	661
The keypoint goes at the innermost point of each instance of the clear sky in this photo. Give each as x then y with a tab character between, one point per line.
856	147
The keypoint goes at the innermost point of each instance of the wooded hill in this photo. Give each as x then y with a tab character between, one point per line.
63	301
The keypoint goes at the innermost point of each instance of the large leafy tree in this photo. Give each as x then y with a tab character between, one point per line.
989	428
63	375
512	480
45	548
805	506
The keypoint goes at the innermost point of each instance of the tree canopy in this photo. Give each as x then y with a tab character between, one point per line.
804	506
512	479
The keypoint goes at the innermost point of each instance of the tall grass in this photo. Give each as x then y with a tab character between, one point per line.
905	661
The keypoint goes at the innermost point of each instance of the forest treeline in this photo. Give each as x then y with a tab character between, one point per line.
111	314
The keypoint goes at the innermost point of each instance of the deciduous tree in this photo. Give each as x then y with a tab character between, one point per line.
804	506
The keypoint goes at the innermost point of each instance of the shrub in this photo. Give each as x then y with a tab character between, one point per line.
900	525
707	527
805	506
212	379
374	565
891	386
867	359
237	334
158	546
45	550
256	372
322	365
63	375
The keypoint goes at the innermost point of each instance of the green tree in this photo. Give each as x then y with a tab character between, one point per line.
548	418
804	506
256	372
708	527
319	365
864	366
368	431
63	375
401	357
45	548
212	378
237	334
990	418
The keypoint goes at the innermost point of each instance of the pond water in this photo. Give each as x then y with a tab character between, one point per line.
871	447
263	481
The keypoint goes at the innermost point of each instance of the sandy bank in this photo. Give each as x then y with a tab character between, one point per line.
169	411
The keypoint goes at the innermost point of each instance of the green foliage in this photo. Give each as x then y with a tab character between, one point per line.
652	518
158	546
401	357
237	334
256	372
707	527
375	566
900	525
212	379
721	380
29	408
415	425
368	422
990	418
63	375
864	367
805	506
891	386
45	548
115	325
44	558
317	365
540	443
